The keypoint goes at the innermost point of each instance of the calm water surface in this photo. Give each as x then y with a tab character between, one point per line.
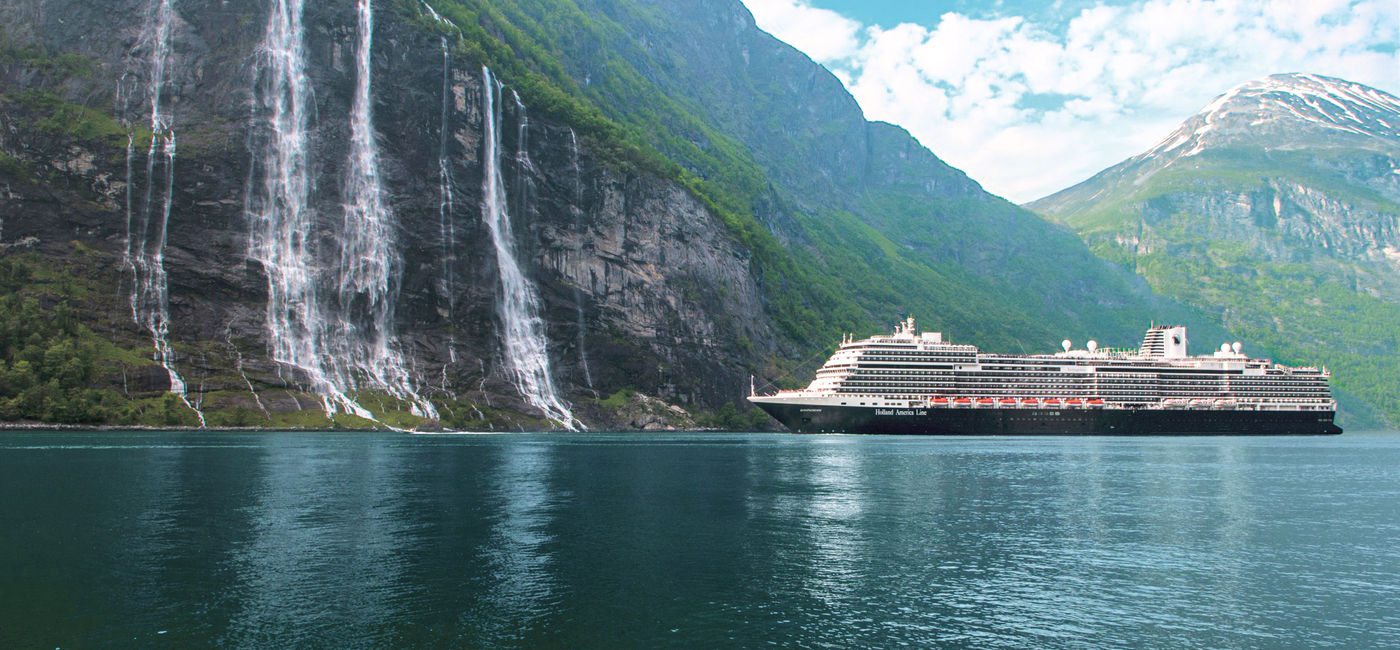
320	539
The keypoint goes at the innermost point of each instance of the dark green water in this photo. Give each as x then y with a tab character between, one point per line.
276	540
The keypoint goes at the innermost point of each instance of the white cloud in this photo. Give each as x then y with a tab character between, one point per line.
822	34
1028	111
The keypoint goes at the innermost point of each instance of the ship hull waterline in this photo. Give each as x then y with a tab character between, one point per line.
978	421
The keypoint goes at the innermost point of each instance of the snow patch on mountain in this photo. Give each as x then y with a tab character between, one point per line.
1285	101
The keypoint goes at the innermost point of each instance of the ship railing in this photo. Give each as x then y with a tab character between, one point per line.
988	401
1240	405
1199	404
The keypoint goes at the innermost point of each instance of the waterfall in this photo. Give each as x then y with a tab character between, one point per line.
369	264
333	330
447	227
582	348
576	169
578	223
526	349
436	16
144	255
281	220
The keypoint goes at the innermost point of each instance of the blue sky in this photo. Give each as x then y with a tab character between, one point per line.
1032	97
888	13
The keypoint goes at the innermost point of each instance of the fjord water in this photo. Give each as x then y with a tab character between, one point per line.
697	539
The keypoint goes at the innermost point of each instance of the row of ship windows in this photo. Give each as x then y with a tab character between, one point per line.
880	388
901	390
1167	385
999	364
856	386
1167	394
1085	390
1117	399
1179	376
943	381
915	353
883	371
960	358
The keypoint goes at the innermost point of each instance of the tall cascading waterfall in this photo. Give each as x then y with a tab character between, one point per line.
447	227
329	334
369	263
144	255
281	219
526	349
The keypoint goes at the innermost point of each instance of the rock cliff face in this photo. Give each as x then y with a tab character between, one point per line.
1286	221
639	285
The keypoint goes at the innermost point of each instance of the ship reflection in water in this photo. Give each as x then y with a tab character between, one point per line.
593	540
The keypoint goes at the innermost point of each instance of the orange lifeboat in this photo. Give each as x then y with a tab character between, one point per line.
1052	401
963	401
1007	401
1073	401
939	401
986	401
1096	402
1030	401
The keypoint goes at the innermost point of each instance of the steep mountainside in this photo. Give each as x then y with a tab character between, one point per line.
481	213
778	137
1277	207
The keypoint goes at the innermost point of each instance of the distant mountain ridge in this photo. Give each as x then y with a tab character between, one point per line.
1276	208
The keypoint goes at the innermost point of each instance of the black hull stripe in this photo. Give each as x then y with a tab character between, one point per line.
801	418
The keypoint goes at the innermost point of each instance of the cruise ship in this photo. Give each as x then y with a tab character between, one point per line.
912	382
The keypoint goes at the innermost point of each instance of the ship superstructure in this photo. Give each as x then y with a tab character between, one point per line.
916	382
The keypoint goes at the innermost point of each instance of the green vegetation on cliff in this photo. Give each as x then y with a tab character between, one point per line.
46	357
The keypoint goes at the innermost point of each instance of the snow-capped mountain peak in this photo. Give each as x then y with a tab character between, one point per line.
1286	105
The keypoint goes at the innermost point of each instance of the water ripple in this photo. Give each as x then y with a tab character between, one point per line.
611	540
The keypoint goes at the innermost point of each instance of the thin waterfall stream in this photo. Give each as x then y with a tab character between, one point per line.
144	255
578	295
447	227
